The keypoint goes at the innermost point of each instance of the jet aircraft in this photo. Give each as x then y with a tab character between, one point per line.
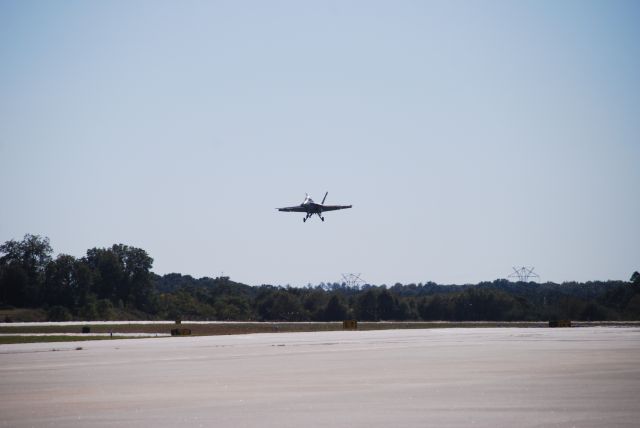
311	208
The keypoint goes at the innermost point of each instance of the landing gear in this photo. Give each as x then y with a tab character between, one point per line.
308	216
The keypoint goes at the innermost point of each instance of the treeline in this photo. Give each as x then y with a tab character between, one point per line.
101	285
117	283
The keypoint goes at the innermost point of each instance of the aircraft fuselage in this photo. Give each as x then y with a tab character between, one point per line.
310	208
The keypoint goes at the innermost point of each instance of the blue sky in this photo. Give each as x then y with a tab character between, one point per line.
469	136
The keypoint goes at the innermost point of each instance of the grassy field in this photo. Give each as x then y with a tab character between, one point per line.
224	328
220	328
7	340
23	314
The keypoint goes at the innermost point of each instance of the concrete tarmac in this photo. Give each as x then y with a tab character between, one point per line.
499	377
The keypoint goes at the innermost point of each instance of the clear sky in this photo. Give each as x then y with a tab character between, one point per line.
469	136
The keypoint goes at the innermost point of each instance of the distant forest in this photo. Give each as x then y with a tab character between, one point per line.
117	283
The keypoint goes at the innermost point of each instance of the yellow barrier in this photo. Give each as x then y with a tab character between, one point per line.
350	325
560	323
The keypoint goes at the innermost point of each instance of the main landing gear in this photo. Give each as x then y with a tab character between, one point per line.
309	216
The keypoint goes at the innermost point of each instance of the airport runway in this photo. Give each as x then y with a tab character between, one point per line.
501	377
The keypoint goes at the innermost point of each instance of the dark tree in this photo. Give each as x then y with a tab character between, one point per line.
367	306
13	284
61	286
107	272
434	308
315	303
635	278
122	274
335	310
27	258
231	307
117	282
386	305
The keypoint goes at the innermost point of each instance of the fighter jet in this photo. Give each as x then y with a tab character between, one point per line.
311	208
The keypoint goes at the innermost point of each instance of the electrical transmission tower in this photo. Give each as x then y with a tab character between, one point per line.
352	279
523	273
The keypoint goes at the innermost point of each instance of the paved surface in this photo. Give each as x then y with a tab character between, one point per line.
511	377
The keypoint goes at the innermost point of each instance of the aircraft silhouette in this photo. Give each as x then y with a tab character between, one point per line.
311	208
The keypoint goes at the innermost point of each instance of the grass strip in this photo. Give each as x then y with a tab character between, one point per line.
8	340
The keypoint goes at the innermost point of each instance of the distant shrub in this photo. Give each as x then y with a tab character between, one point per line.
104	308
58	313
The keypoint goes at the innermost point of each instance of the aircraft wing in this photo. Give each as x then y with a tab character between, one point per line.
334	207
296	209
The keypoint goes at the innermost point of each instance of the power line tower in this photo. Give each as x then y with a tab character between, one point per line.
523	273
352	279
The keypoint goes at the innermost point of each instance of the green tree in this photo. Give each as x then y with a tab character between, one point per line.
484	305
232	308
632	310
84	282
281	305
58	313
61	287
367	306
13	284
335	309
136	287
387	306
122	273
434	308
593	312
107	272
635	278
105	310
29	258
89	309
